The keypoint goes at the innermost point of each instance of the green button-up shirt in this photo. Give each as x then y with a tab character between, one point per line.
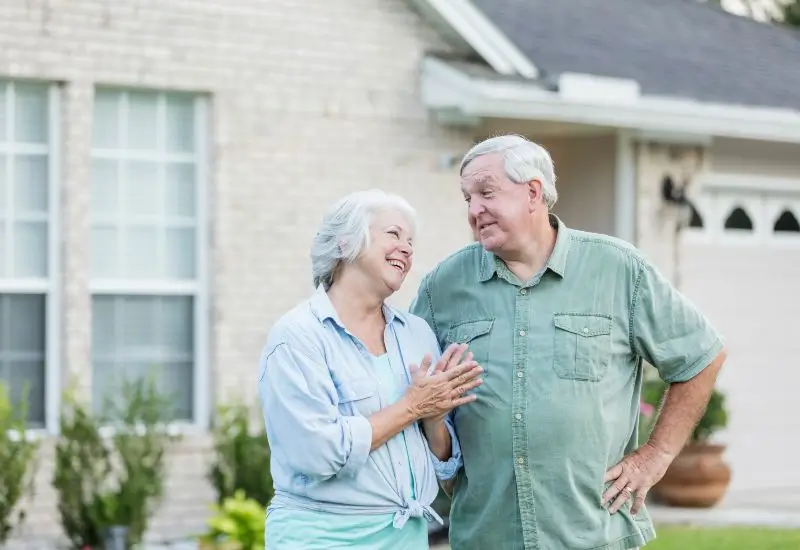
559	405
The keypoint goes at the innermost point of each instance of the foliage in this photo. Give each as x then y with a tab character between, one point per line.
241	457
791	13
714	418
238	523
17	456
102	482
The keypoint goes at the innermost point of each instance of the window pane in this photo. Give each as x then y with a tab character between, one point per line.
142	121
140	254
26	324
22	350
180	255
26	381
3	184
176	331
179	189
180	123
30	113
104	252
30	249
105	129
3	251
30	184
3	109
103	335
138	326
140	188
104	188
154	336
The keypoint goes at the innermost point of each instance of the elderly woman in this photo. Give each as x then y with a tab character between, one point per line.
359	433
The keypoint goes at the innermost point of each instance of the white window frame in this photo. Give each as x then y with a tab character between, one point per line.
718	193
50	286
198	288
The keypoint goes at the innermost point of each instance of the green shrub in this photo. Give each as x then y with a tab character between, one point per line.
116	480
241	457
714	418
17	455
238	523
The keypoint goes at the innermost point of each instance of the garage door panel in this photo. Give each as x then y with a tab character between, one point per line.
747	284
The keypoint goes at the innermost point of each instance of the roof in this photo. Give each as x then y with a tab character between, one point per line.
677	48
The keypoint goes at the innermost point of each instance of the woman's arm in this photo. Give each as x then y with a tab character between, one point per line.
305	427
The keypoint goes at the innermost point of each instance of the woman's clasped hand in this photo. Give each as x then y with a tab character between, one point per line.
434	393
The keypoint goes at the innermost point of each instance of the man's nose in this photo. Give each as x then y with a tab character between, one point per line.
475	208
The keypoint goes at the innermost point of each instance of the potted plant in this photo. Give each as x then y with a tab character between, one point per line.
699	476
17	455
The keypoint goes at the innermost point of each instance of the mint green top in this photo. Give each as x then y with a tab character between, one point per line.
559	403
297	529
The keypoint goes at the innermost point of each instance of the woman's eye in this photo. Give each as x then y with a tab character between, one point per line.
394	232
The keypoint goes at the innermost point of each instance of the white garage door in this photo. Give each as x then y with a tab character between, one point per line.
742	267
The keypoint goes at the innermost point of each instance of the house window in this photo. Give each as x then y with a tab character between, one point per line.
695	219
738	219
28	301
147	245
786	223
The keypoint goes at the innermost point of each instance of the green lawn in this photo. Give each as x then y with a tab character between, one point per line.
724	538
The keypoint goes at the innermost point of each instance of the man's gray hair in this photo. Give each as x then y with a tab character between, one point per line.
524	161
345	230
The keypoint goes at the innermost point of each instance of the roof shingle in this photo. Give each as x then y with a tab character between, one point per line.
677	48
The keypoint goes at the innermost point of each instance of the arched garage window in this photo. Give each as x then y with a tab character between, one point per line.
739	219
786	223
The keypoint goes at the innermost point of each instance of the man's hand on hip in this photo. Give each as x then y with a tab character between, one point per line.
634	475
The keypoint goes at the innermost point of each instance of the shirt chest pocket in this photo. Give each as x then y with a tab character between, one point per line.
358	396
476	334
581	346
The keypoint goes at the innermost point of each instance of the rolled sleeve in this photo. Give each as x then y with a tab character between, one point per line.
668	330
447	469
304	425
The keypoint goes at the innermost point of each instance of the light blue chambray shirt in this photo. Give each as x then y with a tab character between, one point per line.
317	388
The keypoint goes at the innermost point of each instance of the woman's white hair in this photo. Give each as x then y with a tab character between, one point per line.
345	230
524	161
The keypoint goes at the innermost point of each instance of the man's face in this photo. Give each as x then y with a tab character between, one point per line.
499	210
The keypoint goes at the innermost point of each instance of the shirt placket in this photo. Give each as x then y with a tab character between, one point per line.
519	407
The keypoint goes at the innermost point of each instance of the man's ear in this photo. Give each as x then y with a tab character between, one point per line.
534	192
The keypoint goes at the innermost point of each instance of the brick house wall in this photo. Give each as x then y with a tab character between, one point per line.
306	104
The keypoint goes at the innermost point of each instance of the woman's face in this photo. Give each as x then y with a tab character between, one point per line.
388	258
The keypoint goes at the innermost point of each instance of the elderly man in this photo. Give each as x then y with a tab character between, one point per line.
561	320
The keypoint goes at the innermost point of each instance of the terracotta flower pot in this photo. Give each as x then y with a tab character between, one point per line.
697	478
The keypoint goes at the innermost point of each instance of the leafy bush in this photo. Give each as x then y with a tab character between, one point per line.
103	482
714	418
238	524
17	455
241	457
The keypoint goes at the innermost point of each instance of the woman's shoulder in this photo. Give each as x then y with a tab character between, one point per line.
296	328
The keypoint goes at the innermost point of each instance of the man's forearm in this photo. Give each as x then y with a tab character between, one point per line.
683	407
438	437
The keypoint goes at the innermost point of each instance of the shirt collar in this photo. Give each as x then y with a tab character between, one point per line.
557	262
323	309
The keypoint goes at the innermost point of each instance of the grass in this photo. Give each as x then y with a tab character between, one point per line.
724	538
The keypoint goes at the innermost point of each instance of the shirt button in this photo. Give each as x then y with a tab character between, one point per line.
519	374
585	329
521	460
524	291
522	333
518	416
